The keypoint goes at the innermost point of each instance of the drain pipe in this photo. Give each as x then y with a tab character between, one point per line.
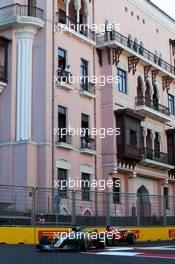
95	116
53	99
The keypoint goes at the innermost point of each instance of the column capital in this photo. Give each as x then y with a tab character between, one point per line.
152	135
25	31
144	132
77	5
67	1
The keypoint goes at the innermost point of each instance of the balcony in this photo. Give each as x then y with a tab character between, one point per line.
80	31
64	141
128	152
156	159
150	108
88	146
17	13
146	57
87	90
64	78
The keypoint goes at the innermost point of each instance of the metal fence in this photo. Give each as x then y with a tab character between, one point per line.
25	206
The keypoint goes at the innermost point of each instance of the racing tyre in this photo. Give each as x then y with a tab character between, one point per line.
83	246
100	244
131	239
44	240
109	242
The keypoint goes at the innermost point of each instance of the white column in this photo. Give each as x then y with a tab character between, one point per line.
25	36
67	10
144	134
78	19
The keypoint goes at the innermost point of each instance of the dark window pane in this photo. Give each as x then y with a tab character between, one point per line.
84	74
62	177
133	138
171	104
116	190
166	193
122	84
61	59
85	186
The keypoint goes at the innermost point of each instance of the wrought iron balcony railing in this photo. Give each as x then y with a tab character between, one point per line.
143	101
73	25
67	139
64	76
109	36
88	142
3	74
87	87
21	10
156	155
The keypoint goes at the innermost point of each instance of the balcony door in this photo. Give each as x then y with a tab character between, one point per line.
155	99
157	146
31	8
62	123
149	146
144	202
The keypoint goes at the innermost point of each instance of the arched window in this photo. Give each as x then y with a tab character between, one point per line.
83	18
64	210
149	145
160	59
144	201
141	48
157	145
136	46
140	88
148	93
130	41
156	58
87	212
107	37
155	98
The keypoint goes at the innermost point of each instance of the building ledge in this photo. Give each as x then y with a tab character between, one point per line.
64	145
87	94
156	164
88	151
66	86
67	30
21	20
149	112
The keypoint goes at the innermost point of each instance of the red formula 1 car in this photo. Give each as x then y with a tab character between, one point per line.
118	235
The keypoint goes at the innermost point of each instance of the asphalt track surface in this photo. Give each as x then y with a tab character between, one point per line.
141	253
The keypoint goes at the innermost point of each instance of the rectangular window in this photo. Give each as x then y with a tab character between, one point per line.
116	191
133	138
85	186
122	84
62	122
62	177
171	104
165	193
61	59
85	123
84	74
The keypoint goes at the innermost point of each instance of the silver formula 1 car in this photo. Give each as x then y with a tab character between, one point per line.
77	240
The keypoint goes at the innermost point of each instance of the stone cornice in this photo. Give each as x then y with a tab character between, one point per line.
21	20
153	13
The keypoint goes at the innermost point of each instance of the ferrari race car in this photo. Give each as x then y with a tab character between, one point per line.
76	240
118	235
